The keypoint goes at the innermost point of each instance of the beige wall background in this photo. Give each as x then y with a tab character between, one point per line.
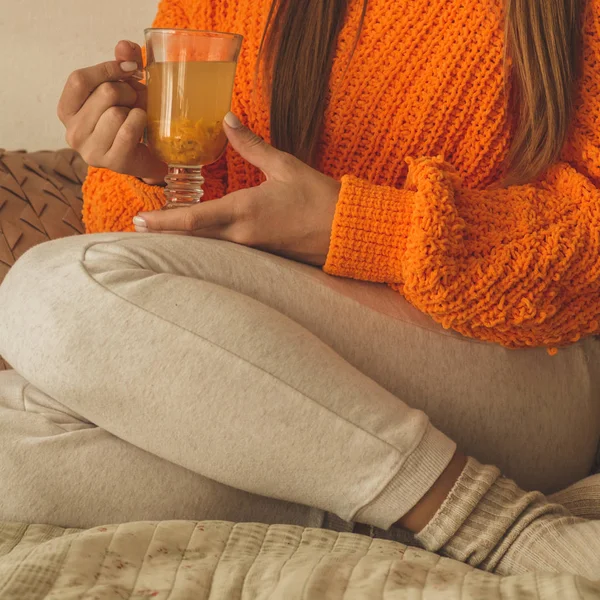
41	42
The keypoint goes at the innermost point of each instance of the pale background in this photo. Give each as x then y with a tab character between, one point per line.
41	42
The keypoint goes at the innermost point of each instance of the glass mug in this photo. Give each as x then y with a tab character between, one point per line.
189	78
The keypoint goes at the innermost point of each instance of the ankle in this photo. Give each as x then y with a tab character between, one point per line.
421	514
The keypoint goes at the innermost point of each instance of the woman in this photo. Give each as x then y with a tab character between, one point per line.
154	371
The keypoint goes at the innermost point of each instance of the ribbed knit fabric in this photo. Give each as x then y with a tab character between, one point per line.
487	521
518	266
582	498
405	489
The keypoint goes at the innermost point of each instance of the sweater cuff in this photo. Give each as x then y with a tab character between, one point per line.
369	231
112	200
151	196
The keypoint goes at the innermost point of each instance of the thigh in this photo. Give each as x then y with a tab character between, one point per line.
58	468
535	416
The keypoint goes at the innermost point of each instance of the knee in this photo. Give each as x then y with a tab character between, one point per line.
23	293
41	292
23	283
43	263
25	266
37	264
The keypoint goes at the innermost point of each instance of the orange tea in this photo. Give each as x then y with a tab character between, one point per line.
187	102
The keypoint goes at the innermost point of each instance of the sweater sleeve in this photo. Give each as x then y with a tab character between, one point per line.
111	200
519	266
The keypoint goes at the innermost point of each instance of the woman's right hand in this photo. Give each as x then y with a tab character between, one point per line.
104	111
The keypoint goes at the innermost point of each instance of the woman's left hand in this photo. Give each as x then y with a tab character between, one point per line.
290	214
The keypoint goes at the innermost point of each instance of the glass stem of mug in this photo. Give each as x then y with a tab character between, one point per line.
184	186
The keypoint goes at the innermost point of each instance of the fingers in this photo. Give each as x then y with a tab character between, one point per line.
128	51
103	109
207	219
115	145
130	133
128	155
98	144
82	83
253	148
105	96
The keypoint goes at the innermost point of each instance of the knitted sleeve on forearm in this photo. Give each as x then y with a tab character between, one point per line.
519	266
111	200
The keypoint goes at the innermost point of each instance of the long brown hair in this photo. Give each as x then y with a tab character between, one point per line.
542	41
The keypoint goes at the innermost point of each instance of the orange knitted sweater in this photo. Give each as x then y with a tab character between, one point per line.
518	266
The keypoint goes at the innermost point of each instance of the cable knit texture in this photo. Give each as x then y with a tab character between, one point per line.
518	266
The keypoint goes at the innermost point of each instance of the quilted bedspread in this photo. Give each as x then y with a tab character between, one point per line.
177	560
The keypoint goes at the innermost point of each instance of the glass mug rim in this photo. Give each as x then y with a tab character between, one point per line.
217	34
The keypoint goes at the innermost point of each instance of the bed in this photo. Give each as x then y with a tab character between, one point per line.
177	560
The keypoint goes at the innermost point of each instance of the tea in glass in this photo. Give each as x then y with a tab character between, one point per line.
190	77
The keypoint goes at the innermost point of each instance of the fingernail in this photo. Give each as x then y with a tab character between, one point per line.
232	121
129	66
139	222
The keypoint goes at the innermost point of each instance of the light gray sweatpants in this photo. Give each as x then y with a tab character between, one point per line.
158	376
